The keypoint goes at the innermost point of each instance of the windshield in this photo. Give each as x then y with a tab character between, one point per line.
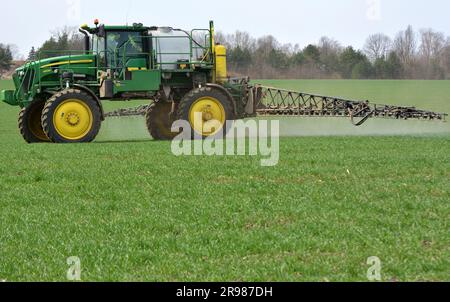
122	44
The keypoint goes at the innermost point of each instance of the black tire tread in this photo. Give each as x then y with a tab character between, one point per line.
24	130
46	118
151	116
188	100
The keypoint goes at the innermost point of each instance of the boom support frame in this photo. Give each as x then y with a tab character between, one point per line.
271	101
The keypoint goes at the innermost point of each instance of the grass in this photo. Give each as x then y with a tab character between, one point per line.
131	211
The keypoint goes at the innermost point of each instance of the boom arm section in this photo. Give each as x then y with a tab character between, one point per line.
270	101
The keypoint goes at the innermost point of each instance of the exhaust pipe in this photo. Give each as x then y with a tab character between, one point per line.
87	41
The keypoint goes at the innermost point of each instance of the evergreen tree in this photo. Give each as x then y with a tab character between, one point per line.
381	69
312	53
6	58
32	54
63	42
298	58
240	57
394	66
354	64
362	70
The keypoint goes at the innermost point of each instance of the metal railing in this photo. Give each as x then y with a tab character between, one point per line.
190	57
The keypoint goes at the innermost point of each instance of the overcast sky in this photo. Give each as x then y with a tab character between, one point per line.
28	23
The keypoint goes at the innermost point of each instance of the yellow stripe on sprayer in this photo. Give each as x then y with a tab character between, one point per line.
67	63
136	68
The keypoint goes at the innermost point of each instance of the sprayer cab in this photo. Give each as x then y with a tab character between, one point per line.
163	48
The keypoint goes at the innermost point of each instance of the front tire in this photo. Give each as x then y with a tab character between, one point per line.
30	123
208	111
71	116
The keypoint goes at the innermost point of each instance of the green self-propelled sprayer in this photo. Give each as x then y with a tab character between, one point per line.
184	74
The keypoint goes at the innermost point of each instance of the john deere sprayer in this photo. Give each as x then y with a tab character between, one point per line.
182	74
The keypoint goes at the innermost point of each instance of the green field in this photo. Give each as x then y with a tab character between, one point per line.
131	211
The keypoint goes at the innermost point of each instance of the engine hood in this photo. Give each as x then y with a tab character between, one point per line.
58	61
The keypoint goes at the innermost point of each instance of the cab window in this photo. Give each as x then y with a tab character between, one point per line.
98	48
122	44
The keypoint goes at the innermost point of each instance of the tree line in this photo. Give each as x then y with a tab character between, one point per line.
408	55
6	58
61	42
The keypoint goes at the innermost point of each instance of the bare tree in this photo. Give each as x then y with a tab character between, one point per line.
266	44
377	46
241	39
329	46
405	45
445	58
221	38
69	37
17	56
432	44
330	50
288	49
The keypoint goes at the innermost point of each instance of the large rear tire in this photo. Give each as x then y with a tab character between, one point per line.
159	120
208	111
71	116
30	123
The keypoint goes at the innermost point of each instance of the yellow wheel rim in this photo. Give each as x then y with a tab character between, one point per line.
73	119
207	116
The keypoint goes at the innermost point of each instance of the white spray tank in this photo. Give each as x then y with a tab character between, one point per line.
172	46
